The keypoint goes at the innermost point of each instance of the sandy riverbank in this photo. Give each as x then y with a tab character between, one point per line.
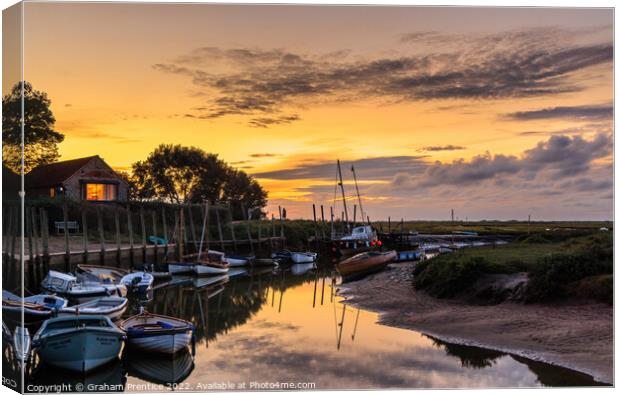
576	335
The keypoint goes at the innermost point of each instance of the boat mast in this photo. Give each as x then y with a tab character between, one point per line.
359	197
204	226
344	200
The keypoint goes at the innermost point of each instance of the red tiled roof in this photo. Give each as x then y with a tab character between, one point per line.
55	173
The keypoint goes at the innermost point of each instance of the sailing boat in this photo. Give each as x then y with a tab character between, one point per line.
360	238
207	267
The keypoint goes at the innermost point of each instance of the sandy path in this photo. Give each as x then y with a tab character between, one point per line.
574	335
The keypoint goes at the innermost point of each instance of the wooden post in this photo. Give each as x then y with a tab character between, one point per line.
316	230
65	218
219	227
154	218
36	238
281	224
322	223
247	227
101	235
232	227
331	213
273	230
130	234
165	228
389	225
45	237
84	235
117	226
192	228
143	230
28	229
181	232
206	214
175	235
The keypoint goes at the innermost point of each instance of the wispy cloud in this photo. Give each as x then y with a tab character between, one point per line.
575	113
266	84
434	148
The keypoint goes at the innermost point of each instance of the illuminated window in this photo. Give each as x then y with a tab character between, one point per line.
52	192
100	191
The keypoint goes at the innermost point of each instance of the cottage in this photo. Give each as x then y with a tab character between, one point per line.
89	179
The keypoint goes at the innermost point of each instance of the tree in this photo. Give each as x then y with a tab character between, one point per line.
40	139
243	192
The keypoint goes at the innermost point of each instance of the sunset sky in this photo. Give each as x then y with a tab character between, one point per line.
497	113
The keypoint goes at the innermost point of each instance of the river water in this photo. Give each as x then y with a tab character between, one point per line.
289	329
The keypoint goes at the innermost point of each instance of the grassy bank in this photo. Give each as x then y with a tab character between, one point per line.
559	265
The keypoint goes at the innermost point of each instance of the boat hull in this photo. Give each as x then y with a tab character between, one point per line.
81	350
236	262
180	268
206	270
303	257
364	264
165	344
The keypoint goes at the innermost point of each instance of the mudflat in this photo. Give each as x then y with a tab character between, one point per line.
572	334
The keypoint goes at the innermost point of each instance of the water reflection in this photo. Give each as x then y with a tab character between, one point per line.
285	325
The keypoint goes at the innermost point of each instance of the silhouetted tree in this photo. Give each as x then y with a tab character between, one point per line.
40	139
181	174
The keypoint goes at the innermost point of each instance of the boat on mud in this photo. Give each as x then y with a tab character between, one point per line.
78	343
158	333
68	286
365	263
36	308
112	307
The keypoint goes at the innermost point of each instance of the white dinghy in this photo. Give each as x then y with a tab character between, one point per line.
69	286
206	268
139	281
112	307
303	257
158	333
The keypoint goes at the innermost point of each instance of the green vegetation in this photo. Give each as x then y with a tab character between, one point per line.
559	264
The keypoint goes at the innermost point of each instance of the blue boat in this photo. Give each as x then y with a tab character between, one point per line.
405	256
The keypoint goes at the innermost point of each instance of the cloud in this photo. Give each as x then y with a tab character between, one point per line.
266	84
575	113
263	155
263	122
448	147
557	157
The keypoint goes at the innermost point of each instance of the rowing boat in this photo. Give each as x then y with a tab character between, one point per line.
364	263
157	333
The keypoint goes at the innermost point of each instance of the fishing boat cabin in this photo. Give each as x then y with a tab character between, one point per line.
88	179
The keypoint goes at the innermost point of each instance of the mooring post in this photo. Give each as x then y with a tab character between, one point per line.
331	213
28	229
117	229
130	235
281	224
101	235
316	230
389	225
232	227
45	238
65	217
154	219
165	228
207	236
247	227
192	228
322	223
219	227
84	235
36	239
143	230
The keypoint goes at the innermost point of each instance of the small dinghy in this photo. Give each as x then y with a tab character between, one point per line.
36	308
69	286
365	263
301	268
406	256
237	260
158	333
157	274
181	267
138	281
100	274
109	306
303	257
21	345
78	343
207	268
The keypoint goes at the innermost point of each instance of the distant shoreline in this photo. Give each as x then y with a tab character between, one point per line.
576	335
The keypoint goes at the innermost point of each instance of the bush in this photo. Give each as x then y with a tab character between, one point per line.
450	276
